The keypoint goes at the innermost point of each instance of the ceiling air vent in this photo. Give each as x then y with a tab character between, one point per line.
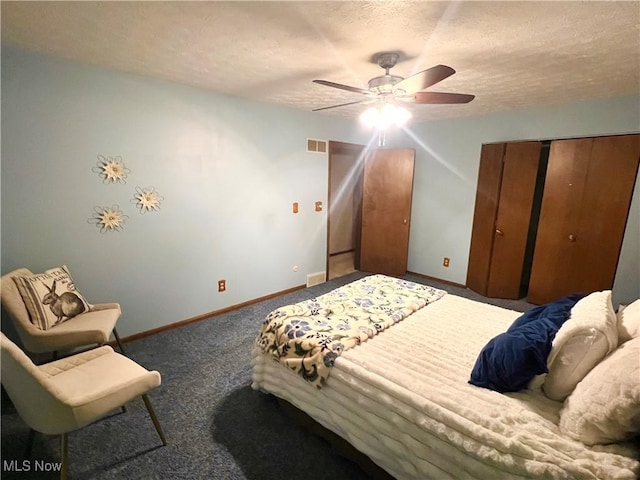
319	146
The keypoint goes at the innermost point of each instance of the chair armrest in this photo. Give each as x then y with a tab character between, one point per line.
105	306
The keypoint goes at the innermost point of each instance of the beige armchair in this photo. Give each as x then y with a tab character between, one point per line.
92	327
70	393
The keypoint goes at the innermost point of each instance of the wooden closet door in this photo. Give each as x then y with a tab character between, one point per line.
608	191
519	175
559	220
484	217
386	210
504	199
586	201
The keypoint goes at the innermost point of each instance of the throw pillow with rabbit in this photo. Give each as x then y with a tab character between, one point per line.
51	297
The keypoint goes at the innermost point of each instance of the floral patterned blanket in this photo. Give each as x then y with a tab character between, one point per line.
308	336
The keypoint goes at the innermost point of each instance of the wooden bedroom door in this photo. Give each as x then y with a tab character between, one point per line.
387	188
585	205
507	181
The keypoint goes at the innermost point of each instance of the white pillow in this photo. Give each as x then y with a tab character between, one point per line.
581	343
628	322
605	405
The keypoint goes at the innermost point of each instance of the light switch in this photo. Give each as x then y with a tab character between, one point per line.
295	207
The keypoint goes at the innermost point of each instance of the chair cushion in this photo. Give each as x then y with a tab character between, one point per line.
94	326
51	297
94	382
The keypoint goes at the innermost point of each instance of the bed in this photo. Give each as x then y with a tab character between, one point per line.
400	394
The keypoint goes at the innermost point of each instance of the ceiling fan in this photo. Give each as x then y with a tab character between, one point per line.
387	87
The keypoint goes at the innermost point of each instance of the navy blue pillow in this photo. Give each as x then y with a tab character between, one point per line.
510	360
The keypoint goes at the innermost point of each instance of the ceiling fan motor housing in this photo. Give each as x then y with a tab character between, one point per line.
387	60
384	83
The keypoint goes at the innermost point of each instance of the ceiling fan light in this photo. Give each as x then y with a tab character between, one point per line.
370	117
388	110
401	116
385	116
385	119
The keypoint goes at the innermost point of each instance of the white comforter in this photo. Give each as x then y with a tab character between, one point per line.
403	399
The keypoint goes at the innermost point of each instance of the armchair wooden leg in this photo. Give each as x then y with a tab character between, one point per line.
154	419
118	341
63	455
27	451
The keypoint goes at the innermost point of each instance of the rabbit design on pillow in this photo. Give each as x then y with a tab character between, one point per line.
66	305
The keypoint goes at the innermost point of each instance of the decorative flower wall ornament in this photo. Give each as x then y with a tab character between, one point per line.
147	199
111	169
108	219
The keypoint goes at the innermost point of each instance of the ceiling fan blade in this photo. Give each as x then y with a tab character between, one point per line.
343	87
442	98
341	105
424	79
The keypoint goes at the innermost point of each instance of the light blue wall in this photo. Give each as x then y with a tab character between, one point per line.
446	173
228	170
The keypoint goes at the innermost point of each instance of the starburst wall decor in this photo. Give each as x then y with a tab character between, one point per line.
111	169
147	199
112	219
108	219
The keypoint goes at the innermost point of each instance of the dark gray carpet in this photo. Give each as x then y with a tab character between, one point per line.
217	427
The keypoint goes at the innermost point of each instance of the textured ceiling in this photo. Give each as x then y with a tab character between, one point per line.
509	54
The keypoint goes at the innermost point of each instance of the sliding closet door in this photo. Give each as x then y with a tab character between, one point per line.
386	210
586	201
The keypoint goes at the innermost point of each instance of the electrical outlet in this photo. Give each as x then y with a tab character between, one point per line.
222	285
445	262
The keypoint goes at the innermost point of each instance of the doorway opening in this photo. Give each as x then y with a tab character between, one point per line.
344	208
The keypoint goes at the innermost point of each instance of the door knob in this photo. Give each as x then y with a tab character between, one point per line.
572	238
404	221
499	232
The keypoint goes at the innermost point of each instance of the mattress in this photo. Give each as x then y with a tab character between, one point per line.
403	399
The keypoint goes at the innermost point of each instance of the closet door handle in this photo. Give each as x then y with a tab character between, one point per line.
404	221
572	238
499	232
